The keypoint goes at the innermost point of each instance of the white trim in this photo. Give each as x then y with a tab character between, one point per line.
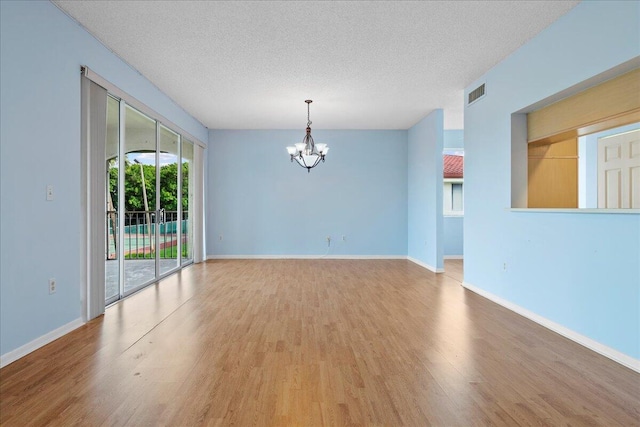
39	342
427	266
211	257
576	210
447	197
453	257
589	343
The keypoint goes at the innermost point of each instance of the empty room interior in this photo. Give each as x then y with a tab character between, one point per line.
320	213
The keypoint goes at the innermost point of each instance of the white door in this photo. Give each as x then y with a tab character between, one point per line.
619	171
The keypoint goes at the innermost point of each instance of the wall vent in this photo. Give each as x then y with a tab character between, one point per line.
476	94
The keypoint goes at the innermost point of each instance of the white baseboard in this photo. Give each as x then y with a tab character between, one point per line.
41	341
427	266
306	257
589	343
453	257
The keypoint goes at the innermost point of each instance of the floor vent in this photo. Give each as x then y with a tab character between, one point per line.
476	94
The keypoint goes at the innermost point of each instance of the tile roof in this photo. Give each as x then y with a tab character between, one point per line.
453	166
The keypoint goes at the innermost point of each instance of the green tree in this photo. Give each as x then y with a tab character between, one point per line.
169	187
134	197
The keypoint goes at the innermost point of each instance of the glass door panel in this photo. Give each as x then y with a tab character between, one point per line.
187	201
168	222
139	219
149	200
112	267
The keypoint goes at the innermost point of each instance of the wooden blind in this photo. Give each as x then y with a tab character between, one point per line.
613	103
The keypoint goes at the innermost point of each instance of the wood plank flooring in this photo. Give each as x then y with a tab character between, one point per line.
311	343
454	268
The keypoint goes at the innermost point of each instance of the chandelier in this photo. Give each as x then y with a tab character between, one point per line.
307	153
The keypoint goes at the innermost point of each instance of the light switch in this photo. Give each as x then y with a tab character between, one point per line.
49	193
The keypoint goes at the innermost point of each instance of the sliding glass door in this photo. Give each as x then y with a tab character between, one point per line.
187	190
168	186
147	208
139	193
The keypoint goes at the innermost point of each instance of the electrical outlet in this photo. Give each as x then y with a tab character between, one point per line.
328	240
220	237
504	266
49	193
344	238
52	286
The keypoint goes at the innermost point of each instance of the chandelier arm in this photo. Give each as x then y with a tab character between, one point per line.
300	161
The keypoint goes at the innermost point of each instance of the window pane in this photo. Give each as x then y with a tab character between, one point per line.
140	199
168	220
456	198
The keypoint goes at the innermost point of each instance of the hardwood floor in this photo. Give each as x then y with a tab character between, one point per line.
314	342
454	268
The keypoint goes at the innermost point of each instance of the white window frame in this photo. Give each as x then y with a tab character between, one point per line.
447	194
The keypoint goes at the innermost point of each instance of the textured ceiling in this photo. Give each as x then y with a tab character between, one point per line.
366	65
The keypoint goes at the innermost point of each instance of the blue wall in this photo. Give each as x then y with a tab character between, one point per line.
425	219
453	138
453	236
579	270
262	204
41	50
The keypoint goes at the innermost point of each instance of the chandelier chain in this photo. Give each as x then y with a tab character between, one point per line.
308	117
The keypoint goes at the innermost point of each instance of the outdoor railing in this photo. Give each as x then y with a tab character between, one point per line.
139	234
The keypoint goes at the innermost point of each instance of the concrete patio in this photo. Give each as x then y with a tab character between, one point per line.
136	273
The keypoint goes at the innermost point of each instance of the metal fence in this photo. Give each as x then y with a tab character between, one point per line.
139	234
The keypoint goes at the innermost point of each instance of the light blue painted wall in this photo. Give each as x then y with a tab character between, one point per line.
453	225
579	270
41	50
262	204
453	235
425	219
453	138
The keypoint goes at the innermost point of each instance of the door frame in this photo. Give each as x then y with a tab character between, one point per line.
90	262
